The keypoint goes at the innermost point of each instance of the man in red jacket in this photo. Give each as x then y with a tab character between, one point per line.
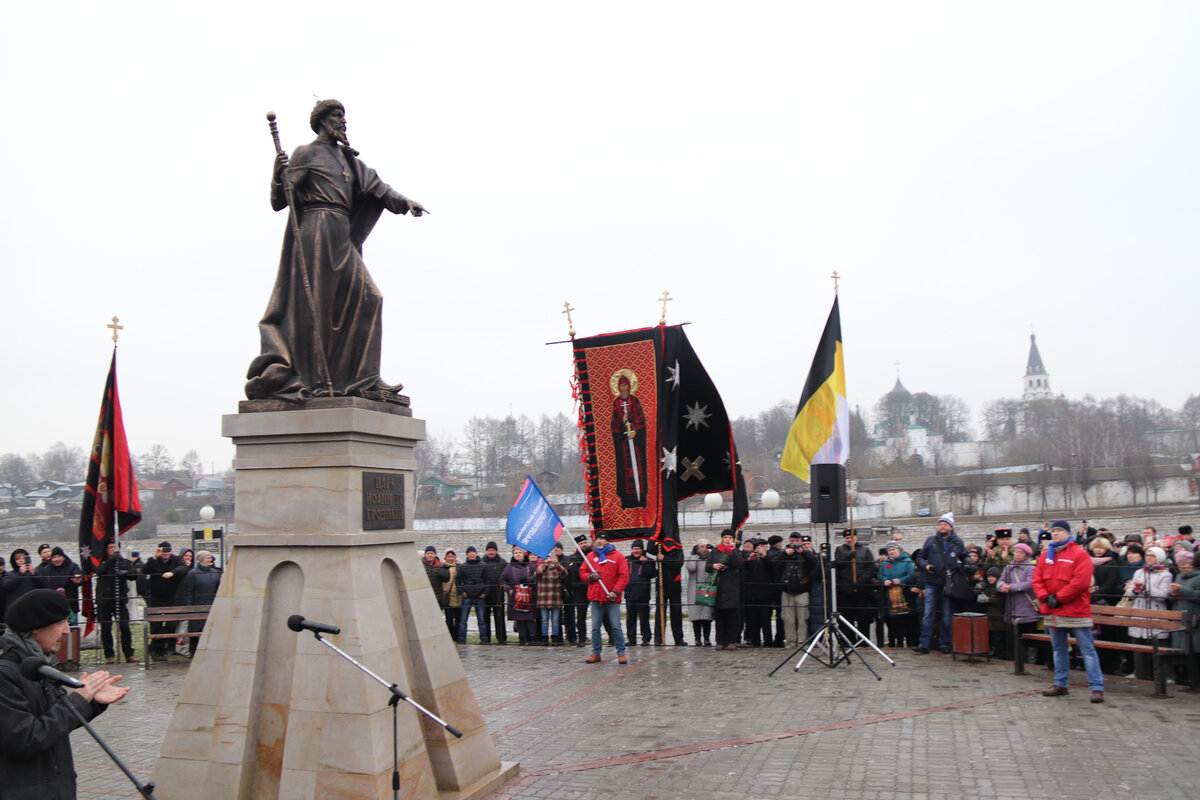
607	575
1061	581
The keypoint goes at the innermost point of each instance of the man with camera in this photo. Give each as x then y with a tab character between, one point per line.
942	554
799	566
164	573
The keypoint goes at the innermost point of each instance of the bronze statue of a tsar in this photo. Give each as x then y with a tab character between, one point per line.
322	328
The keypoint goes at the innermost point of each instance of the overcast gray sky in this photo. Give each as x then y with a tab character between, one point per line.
974	171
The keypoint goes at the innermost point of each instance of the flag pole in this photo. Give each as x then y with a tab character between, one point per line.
589	566
662	619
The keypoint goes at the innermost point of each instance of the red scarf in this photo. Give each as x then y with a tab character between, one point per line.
725	549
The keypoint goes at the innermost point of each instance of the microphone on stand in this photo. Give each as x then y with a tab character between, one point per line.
298	623
33	668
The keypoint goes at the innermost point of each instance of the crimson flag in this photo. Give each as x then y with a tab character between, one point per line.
111	504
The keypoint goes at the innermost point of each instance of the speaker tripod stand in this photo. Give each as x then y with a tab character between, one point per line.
831	638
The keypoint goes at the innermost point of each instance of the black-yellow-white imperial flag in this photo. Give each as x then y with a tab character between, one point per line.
820	433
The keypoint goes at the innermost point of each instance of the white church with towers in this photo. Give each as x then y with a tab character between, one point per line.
920	445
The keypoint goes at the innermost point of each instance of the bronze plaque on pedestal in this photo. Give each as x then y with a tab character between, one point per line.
383	501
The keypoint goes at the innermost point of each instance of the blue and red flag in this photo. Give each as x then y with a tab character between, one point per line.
532	523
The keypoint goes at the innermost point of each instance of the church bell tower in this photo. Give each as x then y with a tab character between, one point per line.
1037	382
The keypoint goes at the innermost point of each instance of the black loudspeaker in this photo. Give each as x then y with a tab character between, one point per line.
827	485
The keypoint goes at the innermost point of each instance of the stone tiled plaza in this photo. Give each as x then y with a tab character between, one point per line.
687	722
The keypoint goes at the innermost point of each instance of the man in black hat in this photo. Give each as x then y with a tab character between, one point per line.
998	552
758	596
112	591
774	553
578	607
164	573
472	582
799	566
494	564
35	748
642	574
669	554
63	575
856	569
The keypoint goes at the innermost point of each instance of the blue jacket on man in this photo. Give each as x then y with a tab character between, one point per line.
943	553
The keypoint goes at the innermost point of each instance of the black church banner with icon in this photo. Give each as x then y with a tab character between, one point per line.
653	431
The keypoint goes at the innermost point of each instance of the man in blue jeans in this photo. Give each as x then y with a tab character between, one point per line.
472	582
942	554
607	575
1062	581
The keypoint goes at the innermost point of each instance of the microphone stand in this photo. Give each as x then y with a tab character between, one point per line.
145	790
397	696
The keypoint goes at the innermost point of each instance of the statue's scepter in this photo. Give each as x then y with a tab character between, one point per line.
319	340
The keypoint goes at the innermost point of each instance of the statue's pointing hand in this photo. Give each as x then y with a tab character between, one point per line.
416	208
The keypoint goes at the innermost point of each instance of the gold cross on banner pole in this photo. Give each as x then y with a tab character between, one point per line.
567	309
115	328
666	298
835	281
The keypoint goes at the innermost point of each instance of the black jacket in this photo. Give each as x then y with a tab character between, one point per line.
112	580
162	590
799	570
856	568
35	750
944	555
433	572
578	586
59	579
200	585
472	579
642	575
758	581
729	584
493	567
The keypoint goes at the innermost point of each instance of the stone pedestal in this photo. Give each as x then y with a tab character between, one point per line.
270	713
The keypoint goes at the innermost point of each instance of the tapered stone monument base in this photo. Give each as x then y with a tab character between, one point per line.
269	713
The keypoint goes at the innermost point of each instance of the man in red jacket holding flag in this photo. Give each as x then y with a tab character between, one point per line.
607	575
1062	581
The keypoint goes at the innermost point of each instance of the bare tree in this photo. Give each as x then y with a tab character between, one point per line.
1189	420
1001	420
190	464
16	470
156	463
63	464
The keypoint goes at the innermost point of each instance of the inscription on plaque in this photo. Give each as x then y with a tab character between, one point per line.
383	501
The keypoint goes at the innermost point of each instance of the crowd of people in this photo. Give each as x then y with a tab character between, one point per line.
166	579
772	592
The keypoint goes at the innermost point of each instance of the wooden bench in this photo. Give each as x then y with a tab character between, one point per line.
170	615
1148	618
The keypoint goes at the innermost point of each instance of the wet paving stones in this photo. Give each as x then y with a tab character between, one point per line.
690	722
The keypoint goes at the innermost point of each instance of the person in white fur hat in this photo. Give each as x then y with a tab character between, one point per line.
941	554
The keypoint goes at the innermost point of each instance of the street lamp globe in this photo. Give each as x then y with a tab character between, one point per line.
712	501
207	513
770	499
